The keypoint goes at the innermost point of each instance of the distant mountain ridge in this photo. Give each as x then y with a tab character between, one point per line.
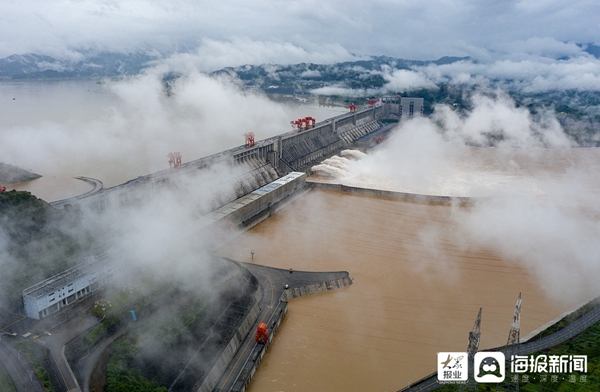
272	78
366	73
35	66
358	74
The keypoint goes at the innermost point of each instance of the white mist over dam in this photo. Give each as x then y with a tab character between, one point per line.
421	270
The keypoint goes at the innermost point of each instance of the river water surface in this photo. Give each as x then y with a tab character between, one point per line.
416	291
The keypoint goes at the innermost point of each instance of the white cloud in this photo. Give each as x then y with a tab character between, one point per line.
426	30
402	80
344	91
536	74
311	74
555	242
213	55
545	47
499	116
420	154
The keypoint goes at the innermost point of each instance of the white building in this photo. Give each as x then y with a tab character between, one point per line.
52	294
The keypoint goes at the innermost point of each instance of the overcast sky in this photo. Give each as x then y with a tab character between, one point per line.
309	30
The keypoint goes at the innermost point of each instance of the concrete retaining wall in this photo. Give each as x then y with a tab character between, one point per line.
393	194
259	350
316	288
301	149
374	138
250	367
229	352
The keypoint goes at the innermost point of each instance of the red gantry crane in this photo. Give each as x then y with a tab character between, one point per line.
296	125
310	122
249	139
174	159
303	123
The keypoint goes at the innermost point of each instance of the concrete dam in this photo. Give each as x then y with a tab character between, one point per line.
254	167
376	237
254	182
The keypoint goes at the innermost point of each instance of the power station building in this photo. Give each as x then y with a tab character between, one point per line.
52	294
403	107
410	107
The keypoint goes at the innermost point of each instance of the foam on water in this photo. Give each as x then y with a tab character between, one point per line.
472	172
329	171
353	154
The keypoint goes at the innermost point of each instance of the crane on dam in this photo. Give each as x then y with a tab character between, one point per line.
174	159
302	124
249	139
310	122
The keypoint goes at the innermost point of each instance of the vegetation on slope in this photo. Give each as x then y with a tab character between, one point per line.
6	384
37	357
122	376
36	242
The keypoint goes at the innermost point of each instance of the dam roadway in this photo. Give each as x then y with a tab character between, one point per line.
277	285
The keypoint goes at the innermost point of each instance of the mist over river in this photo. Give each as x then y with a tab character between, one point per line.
421	271
117	130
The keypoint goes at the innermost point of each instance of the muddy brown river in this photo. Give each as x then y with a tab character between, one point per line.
416	291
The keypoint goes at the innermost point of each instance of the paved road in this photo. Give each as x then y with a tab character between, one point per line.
56	343
98	185
273	282
18	368
568	332
430	382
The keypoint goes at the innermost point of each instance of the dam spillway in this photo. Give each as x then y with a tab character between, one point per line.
253	167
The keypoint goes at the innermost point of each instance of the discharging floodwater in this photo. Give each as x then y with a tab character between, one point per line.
417	291
466	171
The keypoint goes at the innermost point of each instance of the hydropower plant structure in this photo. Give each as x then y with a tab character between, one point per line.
266	174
